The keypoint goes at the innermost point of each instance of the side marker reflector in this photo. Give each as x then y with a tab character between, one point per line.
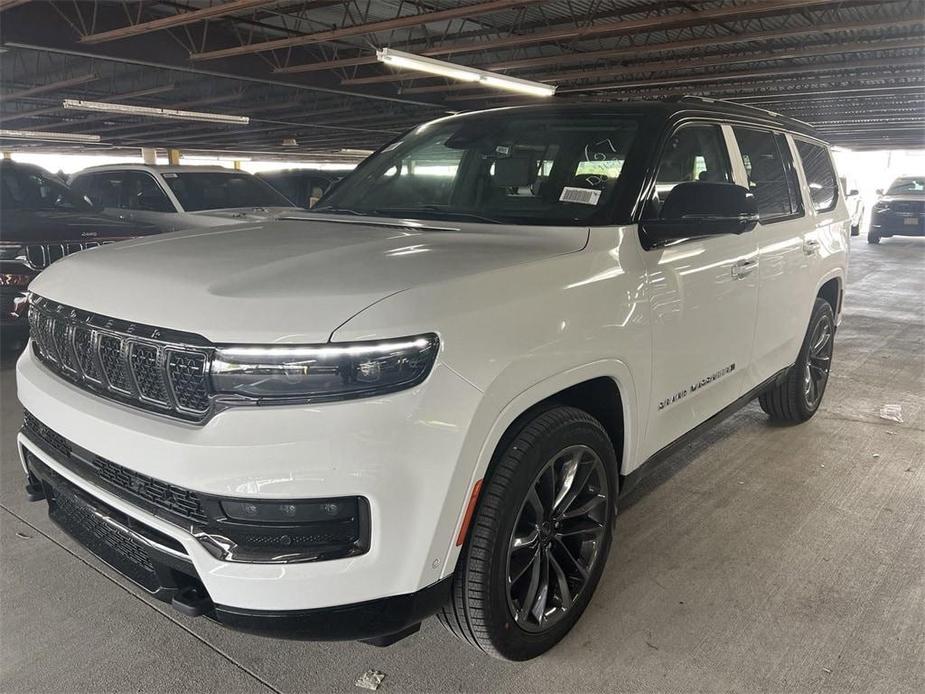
470	510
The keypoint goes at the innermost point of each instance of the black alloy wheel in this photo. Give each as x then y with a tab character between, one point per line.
797	397
818	362
540	535
557	537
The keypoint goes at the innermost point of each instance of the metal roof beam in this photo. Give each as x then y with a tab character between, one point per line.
43	88
745	74
655	23
180	19
708	42
366	28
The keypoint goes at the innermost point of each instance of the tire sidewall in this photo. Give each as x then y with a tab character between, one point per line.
822	310
507	637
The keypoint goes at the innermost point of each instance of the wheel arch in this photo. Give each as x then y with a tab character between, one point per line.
593	388
831	290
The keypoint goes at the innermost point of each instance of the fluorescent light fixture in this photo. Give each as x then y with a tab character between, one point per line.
409	61
128	110
206	157
357	152
46	136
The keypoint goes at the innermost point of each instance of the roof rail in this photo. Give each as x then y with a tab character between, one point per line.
745	109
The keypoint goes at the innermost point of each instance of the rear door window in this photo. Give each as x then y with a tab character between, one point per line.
771	175
820	176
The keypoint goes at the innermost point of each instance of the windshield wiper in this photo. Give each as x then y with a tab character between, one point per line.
337	210
435	211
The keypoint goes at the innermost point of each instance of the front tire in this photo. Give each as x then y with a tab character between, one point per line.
799	395
539	539
873	237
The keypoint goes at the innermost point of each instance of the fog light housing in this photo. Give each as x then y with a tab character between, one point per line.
288	512
286	531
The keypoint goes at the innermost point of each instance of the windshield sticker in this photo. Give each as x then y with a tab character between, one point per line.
583	196
169	175
502	150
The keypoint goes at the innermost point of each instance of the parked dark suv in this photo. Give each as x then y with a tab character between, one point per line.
41	221
900	211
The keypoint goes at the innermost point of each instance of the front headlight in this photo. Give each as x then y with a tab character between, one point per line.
319	373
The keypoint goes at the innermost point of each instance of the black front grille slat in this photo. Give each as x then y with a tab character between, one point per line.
187	373
52	438
60	334
157	370
84	350
46	338
149	375
111	545
182	502
113	361
40	256
37	256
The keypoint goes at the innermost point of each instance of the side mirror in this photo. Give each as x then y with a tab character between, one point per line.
853	192
703	209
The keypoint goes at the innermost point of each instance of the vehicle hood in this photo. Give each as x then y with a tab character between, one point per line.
286	281
54	226
918	199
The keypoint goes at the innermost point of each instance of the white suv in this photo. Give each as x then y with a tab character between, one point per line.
180	197
427	395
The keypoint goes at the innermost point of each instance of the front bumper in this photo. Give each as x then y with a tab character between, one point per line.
898	223
400	452
162	567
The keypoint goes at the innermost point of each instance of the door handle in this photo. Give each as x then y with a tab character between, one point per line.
810	246
743	268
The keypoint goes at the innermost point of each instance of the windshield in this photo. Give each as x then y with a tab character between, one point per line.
24	188
525	169
907	186
216	190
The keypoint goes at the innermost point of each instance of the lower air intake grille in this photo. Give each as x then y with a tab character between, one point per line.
111	545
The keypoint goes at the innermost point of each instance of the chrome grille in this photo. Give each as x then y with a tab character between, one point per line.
159	370
39	256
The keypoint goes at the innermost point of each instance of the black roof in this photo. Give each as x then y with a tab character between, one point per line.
669	108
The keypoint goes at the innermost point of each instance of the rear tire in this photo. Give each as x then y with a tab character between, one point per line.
539	539
873	237
799	395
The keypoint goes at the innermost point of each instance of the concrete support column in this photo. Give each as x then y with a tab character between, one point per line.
149	155
173	157
237	165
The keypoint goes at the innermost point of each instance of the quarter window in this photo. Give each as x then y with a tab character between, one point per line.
820	176
771	177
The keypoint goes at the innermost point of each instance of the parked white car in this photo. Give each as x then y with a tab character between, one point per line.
427	395
855	204
181	197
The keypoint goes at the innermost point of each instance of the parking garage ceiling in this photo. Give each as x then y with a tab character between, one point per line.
307	71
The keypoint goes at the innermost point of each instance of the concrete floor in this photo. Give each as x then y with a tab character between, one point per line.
759	558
